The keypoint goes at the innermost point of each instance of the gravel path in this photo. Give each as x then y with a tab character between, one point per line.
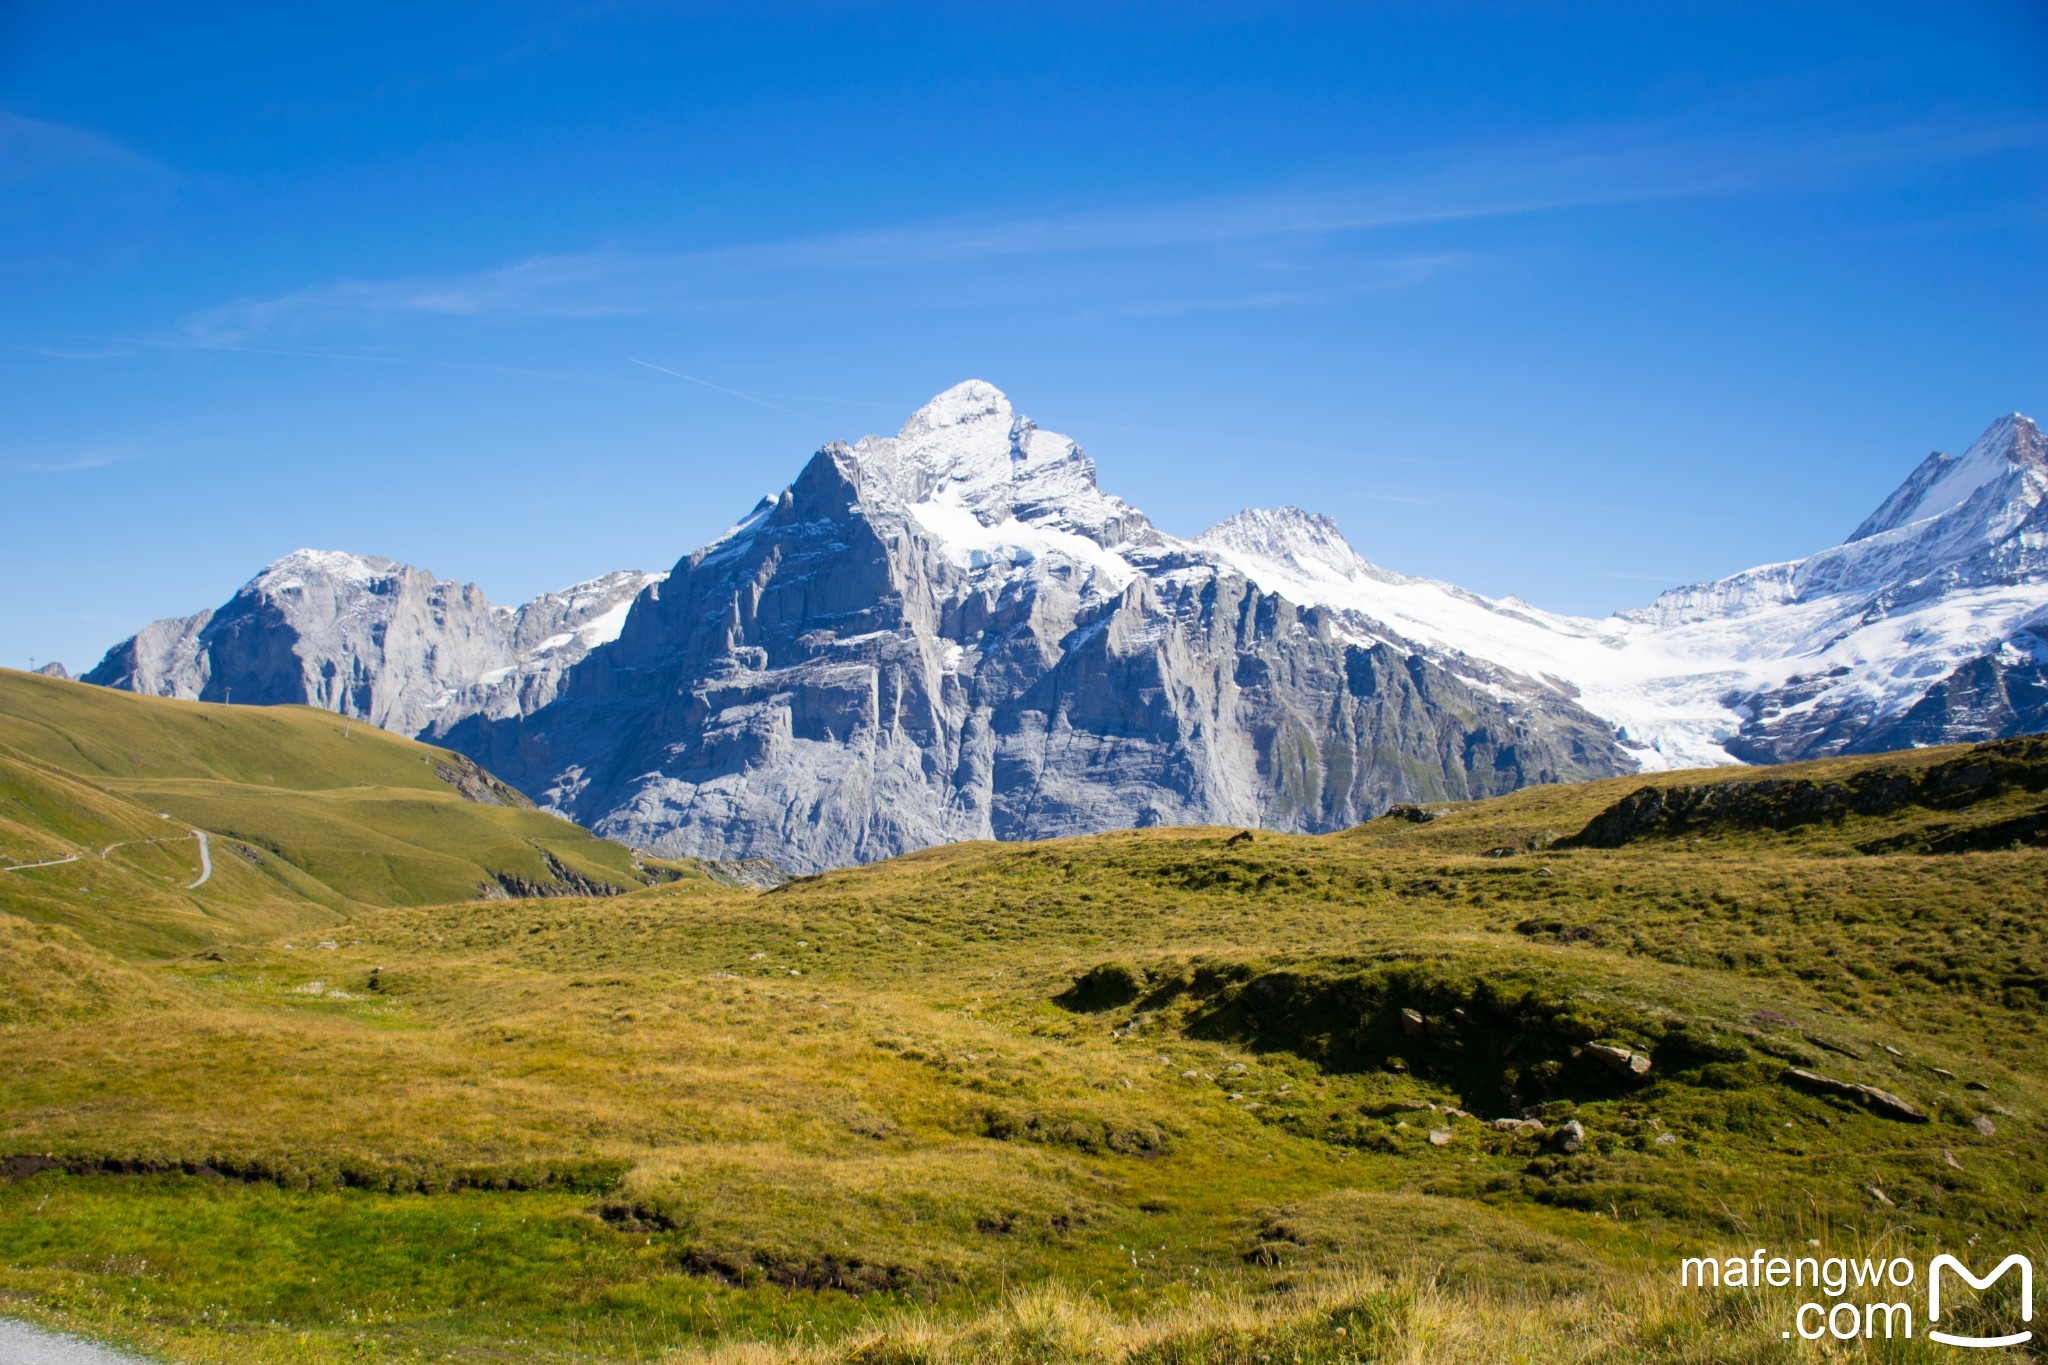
23	867
205	873
21	1344
205	861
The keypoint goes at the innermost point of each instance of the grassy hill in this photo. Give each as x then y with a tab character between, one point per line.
1170	1095
309	818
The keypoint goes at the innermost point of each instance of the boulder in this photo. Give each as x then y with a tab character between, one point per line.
1619	1060
1881	1102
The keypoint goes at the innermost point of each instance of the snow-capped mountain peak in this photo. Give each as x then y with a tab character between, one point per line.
1942	482
964	440
338	566
971	403
953	632
961	445
995	493
968	448
1302	542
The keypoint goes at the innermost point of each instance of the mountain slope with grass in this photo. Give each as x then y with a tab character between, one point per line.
1466	1074
309	817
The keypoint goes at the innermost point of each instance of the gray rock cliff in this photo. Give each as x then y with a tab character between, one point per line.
954	634
366	637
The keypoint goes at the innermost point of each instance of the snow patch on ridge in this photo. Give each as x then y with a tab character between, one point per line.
1613	670
604	628
1013	544
291	572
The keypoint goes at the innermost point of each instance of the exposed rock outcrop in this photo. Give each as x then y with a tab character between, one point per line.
1986	771
1881	1102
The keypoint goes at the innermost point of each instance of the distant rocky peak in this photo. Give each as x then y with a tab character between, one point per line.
2011	445
1307	542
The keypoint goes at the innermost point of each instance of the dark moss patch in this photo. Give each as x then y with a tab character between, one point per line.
386	1178
1503	1041
1080	1131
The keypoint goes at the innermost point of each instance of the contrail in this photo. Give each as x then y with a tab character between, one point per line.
716	388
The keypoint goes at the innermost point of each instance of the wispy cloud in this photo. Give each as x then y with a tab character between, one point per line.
1240	247
99	458
1363	277
32	148
611	282
113	351
590	284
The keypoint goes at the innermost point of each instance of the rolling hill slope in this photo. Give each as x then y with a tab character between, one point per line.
309	817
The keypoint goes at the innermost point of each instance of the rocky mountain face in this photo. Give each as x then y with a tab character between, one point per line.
366	637
955	633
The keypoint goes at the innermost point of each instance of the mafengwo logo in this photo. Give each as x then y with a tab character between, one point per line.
1870	1299
1947	1262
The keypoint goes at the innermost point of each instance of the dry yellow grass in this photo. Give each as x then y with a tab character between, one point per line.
1142	1097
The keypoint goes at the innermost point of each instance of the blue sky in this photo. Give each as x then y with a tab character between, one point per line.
1571	301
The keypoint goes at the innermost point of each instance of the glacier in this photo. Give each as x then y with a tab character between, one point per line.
1802	659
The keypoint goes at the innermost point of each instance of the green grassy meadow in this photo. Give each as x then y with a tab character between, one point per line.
1168	1095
